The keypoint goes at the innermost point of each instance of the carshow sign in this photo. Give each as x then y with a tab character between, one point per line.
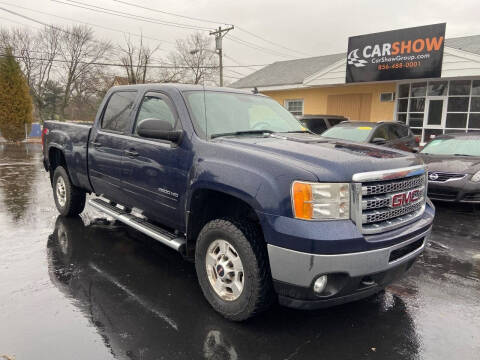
399	54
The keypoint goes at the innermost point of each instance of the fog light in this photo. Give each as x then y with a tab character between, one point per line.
320	284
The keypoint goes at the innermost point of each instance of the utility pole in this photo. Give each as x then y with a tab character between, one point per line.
219	34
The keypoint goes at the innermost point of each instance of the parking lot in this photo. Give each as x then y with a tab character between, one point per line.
87	288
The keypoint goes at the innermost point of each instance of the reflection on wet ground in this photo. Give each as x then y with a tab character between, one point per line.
89	288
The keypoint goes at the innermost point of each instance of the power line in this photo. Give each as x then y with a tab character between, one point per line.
172	14
161	22
42	23
17	22
129	16
212	22
87	23
154	66
270	42
256	47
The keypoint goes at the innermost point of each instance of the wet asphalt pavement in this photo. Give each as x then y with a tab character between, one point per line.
85	288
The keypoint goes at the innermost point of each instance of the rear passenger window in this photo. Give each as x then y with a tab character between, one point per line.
117	113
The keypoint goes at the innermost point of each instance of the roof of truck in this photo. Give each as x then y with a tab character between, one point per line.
180	87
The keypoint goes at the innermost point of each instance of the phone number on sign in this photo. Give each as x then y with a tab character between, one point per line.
400	65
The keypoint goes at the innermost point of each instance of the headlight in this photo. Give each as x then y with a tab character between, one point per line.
476	177
321	201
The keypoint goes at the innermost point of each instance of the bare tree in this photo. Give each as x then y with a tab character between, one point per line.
80	53
173	72
198	58
135	59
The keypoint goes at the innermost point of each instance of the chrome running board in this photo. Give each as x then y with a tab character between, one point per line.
165	237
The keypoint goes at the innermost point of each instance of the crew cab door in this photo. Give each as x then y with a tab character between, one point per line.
154	172
107	143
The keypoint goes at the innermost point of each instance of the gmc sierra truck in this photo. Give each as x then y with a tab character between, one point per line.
267	210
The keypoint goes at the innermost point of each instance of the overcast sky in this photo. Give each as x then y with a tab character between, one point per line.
311	27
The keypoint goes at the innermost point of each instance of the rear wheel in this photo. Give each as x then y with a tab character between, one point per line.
69	199
232	268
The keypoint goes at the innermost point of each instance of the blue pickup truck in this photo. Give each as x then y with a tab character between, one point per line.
267	210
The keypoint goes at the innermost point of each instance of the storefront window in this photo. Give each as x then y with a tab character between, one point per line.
458	104
402	118
415	119
402	105
419	89
456	121
459	87
417	105
439	106
403	90
476	87
475	104
437	88
474	121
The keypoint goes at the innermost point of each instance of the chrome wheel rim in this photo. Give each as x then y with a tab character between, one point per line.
61	191
224	270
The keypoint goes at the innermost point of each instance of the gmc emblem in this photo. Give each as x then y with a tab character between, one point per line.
405	198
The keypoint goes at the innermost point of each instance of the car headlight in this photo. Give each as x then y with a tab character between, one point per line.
476	177
320	201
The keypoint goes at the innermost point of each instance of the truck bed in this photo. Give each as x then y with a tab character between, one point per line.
72	139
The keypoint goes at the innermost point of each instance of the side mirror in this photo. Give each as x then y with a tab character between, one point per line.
379	141
158	129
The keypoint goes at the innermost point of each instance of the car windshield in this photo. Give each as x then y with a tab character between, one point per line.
218	113
467	147
352	133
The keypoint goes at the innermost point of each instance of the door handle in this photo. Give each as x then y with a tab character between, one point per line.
131	153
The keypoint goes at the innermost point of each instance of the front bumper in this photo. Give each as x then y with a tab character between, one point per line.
463	191
350	276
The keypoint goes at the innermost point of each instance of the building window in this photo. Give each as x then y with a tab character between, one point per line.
439	106
386	97
295	106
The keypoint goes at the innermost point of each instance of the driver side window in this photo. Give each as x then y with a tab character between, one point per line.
157	108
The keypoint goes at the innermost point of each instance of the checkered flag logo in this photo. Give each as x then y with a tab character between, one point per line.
354	59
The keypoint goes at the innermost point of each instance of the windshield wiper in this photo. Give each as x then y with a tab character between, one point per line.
461	155
294	131
245	132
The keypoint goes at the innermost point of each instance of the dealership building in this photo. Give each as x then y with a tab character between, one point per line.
443	98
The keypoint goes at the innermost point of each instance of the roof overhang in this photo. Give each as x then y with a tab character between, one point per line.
456	63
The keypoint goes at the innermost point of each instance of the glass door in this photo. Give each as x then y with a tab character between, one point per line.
435	114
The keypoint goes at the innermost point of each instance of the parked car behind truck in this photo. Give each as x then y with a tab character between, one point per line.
232	181
390	134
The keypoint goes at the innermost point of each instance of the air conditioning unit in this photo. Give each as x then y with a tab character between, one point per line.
387	96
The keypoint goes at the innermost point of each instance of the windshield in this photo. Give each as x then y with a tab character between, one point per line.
468	147
351	133
216	113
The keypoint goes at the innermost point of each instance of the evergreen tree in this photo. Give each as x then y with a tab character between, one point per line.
15	100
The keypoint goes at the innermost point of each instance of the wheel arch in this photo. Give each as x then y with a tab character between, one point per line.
206	204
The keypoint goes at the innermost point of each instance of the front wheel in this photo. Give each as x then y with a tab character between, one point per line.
69	199
232	268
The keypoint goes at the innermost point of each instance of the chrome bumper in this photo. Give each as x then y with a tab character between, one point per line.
300	269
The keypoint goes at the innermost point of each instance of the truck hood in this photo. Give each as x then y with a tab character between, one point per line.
328	159
452	164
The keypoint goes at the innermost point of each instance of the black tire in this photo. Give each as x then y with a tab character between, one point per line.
75	198
257	294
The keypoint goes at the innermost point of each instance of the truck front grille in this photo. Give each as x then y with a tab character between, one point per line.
380	205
